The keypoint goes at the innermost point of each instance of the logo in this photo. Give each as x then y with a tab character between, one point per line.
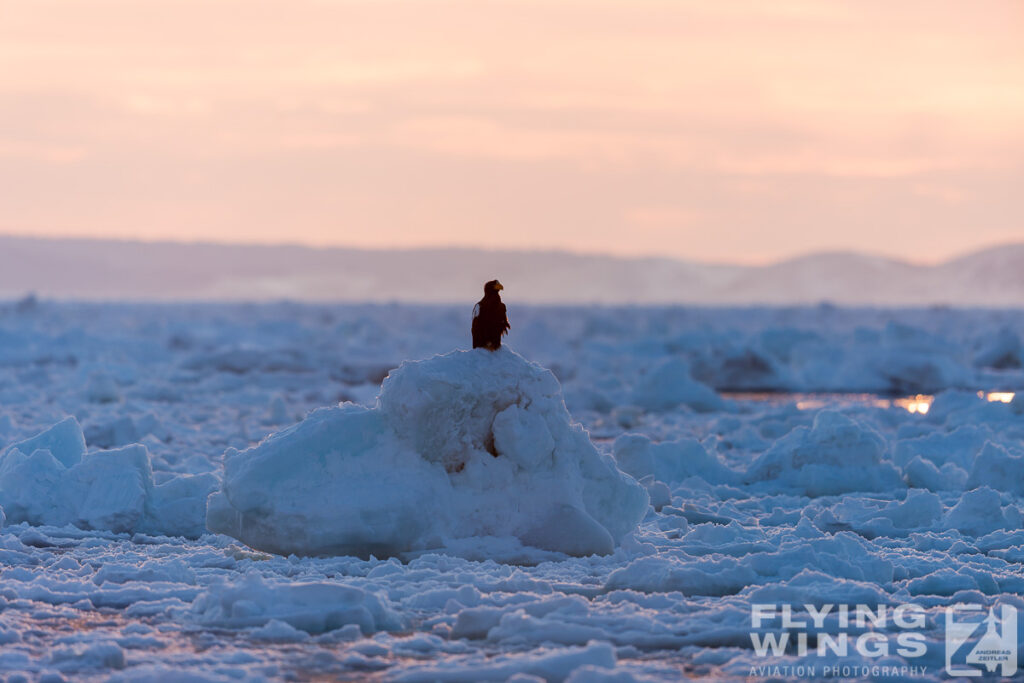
805	640
979	641
819	634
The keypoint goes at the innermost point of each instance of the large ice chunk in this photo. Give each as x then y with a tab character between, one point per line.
997	468
469	444
835	455
313	607
671	461
50	479
670	384
64	441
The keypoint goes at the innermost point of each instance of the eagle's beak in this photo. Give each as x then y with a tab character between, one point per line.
498	287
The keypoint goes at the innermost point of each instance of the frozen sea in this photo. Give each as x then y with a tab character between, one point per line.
798	461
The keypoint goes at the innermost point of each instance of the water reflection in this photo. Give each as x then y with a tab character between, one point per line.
914	404
994	396
918	404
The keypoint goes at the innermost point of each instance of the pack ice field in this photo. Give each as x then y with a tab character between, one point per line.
283	491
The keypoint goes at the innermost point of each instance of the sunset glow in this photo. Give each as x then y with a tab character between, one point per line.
738	131
919	404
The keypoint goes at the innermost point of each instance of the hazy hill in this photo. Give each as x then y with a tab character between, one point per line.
107	269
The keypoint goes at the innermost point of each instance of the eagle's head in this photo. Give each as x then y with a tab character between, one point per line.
492	287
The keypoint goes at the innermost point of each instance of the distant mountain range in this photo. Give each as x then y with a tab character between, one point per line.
124	270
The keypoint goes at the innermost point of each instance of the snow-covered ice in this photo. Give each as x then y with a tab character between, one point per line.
472	444
477	517
51	479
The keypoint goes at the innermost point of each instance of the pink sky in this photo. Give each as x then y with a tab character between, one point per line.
724	131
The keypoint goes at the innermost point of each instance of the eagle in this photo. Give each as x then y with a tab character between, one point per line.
489	319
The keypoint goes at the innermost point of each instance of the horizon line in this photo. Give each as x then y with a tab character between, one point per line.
565	251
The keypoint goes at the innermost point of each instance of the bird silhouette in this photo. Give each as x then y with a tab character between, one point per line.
490	321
